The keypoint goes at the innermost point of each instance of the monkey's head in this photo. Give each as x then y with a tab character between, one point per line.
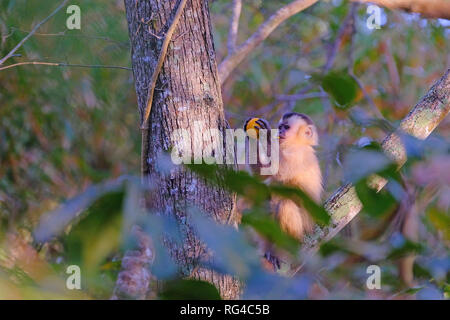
297	128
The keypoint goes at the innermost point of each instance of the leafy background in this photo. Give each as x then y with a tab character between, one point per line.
65	130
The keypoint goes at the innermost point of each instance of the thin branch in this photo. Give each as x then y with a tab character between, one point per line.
152	85
351	63
367	96
331	57
161	58
344	204
28	36
55	64
346	27
392	69
64	34
232	61
234	26
427	8
296	97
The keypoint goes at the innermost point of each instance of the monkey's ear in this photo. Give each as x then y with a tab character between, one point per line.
311	134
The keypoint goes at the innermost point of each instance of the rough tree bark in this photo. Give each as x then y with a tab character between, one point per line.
187	90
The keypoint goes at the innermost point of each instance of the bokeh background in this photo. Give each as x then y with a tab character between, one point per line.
65	129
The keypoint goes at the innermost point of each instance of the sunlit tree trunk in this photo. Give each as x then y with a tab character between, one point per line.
187	90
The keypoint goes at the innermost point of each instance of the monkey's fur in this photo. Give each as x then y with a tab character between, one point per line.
298	167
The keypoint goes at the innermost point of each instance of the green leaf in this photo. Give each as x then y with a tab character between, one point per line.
412	291
270	229
189	290
240	182
405	249
446	289
375	203
440	221
331	247
341	86
98	234
374	161
233	253
421	272
319	214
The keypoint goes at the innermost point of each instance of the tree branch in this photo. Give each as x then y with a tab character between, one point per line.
65	34
369	99
427	8
162	56
346	28
28	36
57	64
233	60
299	96
234	26
344	205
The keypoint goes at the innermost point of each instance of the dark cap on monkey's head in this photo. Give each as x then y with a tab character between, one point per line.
296	114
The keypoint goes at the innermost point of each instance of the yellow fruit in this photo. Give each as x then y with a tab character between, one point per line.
254	134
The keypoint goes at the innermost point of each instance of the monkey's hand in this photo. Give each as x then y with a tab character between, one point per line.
253	125
257	149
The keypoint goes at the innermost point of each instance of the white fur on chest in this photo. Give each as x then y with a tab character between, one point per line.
299	167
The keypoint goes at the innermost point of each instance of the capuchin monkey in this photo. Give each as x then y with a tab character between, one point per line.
298	167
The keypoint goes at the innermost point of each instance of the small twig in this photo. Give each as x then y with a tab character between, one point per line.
152	85
161	58
296	97
231	61
6	36
392	70
331	57
178	37
154	34
343	30
28	36
234	25
64	34
148	27
351	62
137	30
367	96
55	64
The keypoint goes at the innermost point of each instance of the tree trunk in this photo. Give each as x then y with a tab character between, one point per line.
187	90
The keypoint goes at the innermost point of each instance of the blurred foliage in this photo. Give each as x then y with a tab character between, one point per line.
62	129
341	86
65	131
190	290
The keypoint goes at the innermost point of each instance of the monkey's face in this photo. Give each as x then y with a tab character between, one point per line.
296	130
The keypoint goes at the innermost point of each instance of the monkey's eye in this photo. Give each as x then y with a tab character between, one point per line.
285	126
